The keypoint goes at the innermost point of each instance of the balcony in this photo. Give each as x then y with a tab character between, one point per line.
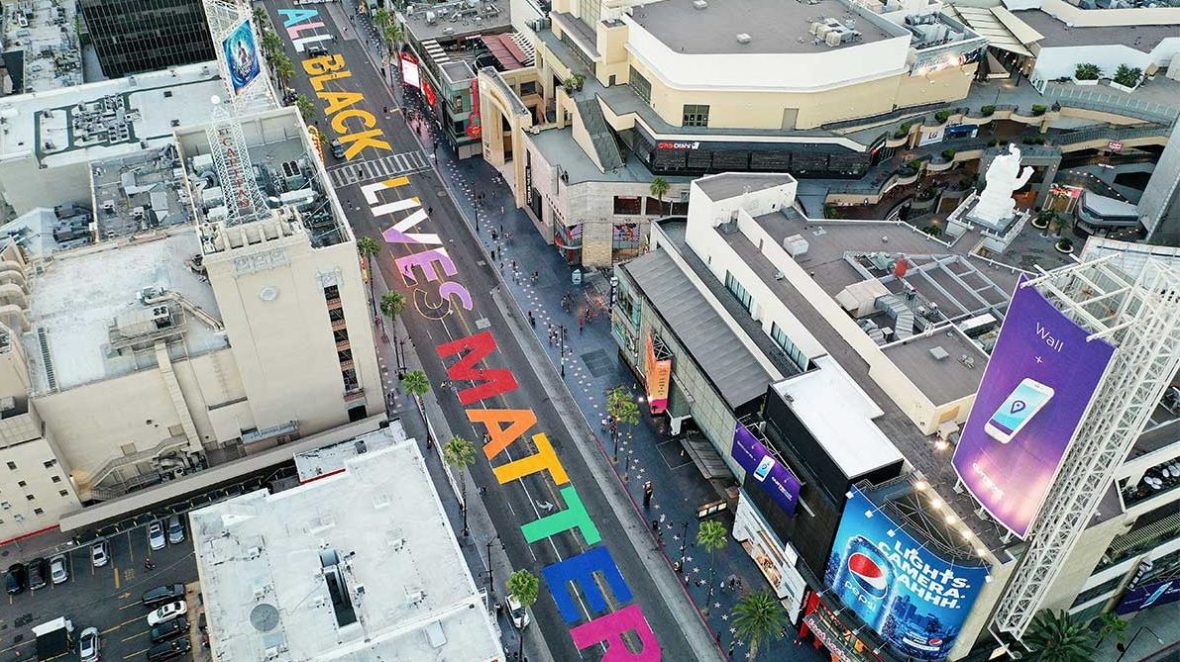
343	346
335	304
354	394
339	325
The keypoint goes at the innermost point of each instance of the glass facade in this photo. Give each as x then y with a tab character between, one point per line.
784	341
134	36
695	115
641	85
739	291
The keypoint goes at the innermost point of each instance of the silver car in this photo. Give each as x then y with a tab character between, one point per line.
99	555
58	572
175	530
156	536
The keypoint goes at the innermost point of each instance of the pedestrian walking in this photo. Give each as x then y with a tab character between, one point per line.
648	491
495	235
514	265
532	320
494	259
581	325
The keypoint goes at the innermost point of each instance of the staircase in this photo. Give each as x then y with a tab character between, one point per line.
600	134
95	477
903	316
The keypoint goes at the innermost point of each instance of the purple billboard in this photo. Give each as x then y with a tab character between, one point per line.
1038	384
764	471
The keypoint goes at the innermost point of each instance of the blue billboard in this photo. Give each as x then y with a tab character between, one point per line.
764	471
241	57
1039	383
913	597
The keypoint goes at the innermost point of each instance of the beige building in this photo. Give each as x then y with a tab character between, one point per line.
167	347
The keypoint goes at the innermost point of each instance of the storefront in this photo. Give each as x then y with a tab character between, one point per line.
825	629
775	559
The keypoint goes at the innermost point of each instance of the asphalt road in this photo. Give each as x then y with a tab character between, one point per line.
107	598
517	502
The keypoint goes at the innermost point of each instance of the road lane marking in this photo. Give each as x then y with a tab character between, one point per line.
117	582
126	622
135	636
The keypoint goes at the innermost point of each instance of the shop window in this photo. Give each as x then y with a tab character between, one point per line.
695	115
628	205
625	236
641	85
527	88
56	479
658	207
680	208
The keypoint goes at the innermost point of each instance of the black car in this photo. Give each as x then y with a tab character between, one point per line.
169	630
162	594
169	649
38	574
16	579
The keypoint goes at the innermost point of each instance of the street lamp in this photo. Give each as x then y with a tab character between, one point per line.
491	583
1123	648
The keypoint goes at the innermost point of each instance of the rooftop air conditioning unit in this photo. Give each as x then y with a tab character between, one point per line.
700	4
832	39
743	38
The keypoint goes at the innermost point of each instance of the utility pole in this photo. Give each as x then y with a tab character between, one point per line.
683	542
491	581
562	327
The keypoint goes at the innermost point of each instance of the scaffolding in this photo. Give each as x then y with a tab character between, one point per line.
1141	317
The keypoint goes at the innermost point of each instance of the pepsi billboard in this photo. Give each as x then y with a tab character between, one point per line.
914	598
1037	387
772	476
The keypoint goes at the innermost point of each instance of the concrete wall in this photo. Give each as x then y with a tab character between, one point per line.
26	187
1062	61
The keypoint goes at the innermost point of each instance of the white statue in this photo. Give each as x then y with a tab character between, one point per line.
1003	177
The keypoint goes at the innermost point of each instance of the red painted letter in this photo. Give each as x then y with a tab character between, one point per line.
476	348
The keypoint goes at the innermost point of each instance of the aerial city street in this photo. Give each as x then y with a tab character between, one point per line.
563	330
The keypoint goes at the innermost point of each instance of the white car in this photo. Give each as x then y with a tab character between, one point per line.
88	645
156	536
58	572
166	613
516	612
98	554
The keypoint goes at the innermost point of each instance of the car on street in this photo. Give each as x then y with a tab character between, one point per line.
88	645
175	530
315	50
169	649
16	579
58	572
99	554
156	536
337	149
162	594
169	630
516	612
167	612
38	574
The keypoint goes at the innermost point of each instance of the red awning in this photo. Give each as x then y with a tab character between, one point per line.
506	52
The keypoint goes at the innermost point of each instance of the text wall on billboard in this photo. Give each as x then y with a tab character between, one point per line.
410	74
765	472
1155	583
913	597
241	57
1037	387
659	378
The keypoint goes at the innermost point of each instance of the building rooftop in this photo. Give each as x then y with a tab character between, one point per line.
733	184
107	118
76	299
457	19
42	231
1055	32
559	148
773	26
139	192
39	40
332	459
359	566
944	364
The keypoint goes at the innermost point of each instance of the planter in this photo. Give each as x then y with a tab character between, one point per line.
1085	82
1064	246
1123	88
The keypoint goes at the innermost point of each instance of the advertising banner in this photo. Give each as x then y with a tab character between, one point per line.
1038	384
474	128
764	471
659	378
1153	594
410	74
912	596
241	57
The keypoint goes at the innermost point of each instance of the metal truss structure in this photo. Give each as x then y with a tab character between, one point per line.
1141	317
224	17
244	201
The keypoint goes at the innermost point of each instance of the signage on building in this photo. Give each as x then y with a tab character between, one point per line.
1115	145
1038	384
673	145
764	471
474	130
659	377
411	75
236	192
428	92
931	135
241	57
953	55
961	131
1153	584
915	597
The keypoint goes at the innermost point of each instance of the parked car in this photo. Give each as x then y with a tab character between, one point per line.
59	572
88	645
169	630
169	649
167	612
162	594
38	574
156	536
16	579
175	530
99	554
516	612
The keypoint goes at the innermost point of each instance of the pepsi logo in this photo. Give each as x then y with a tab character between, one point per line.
869	576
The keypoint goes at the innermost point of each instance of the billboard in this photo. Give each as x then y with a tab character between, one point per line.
474	129
659	377
1038	384
410	74
1152	586
911	595
241	57
764	471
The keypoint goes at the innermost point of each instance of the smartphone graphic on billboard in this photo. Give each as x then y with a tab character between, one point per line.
1028	398
763	468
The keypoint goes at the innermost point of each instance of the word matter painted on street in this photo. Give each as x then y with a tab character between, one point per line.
343	105
434	297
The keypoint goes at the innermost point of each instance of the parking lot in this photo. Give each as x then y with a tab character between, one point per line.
107	598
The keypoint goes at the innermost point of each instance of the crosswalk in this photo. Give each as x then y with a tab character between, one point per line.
375	169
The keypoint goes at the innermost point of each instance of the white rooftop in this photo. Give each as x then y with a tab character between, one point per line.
839	415
151	102
327	460
266	562
77	295
46	33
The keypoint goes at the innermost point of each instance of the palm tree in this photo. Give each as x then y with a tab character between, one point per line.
368	248
417	384
307	108
393	36
622	411
758	617
659	188
393	304
460	454
524	586
271	44
283	68
712	537
1058	637
1110	624
260	17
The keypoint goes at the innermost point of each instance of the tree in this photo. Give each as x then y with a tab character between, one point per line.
282	67
393	304
1128	76
1087	71
393	37
1058	637
307	108
460	454
756	618
1109	624
659	188
260	17
712	537
524	586
368	248
416	383
622	411
272	44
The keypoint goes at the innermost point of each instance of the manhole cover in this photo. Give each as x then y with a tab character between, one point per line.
264	617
